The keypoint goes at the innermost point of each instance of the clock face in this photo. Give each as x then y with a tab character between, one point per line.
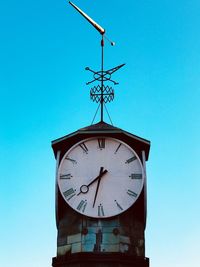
100	177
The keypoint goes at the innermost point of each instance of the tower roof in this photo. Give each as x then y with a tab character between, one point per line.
101	128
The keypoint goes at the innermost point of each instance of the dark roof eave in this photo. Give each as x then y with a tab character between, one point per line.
100	131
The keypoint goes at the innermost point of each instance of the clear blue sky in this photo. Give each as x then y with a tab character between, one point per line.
44	48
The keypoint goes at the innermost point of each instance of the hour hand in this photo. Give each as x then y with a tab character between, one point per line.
101	173
85	188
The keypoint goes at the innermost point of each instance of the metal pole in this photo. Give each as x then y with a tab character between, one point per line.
102	67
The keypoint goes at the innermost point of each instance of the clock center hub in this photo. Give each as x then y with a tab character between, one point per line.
84	189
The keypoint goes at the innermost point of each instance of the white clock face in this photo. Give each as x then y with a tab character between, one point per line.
100	177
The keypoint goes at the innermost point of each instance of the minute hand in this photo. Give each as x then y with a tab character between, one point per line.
98	183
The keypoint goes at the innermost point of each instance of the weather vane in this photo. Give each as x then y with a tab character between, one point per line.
100	94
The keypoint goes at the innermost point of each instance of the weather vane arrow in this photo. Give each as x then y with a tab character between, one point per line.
91	21
101	93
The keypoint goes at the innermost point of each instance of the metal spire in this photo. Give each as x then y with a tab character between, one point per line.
100	93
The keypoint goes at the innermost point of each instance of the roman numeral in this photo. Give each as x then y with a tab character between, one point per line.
66	176
82	205
131	159
131	193
69	193
118	205
84	147
117	148
101	143
100	210
136	176
72	160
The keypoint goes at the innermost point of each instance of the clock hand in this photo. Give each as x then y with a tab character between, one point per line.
85	188
101	173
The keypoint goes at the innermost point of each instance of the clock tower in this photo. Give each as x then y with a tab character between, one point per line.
101	197
101	189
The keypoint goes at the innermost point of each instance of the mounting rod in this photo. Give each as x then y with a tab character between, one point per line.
102	71
102	32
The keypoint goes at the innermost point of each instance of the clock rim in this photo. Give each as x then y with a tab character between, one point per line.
98	137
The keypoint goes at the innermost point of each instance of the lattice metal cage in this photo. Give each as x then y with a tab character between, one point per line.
107	93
